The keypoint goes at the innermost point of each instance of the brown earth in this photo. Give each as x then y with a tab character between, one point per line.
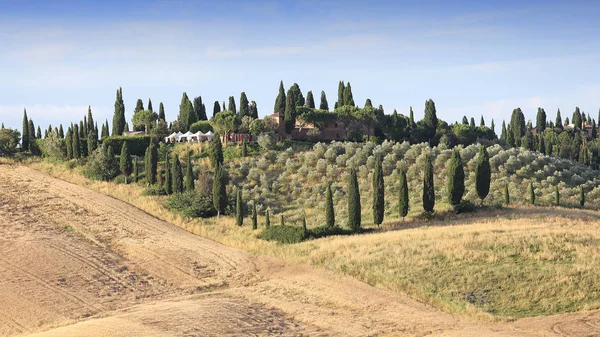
74	262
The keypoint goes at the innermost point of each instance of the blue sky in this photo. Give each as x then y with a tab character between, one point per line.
470	57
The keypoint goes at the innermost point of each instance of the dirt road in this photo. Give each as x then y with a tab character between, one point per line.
74	262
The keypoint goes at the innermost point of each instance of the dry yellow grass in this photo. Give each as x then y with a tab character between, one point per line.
508	264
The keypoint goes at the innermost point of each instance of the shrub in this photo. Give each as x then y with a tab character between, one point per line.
266	141
9	139
283	234
203	126
137	145
101	165
191	205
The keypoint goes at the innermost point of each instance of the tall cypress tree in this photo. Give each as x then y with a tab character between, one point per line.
290	112
456	179
428	187
581	197
219	193
267	219
472	124
61	132
253	110
558	124
139	106
280	101
254	216
168	175
411	118
540	123
177	175
310	100
493	127
556	196
481	121
430	120
324	105
577	120
506	194
341	89
329	212
69	143
517	124
150	108
503	134
239	208
531	193
136	172
368	103
348	98
378	192
189	174
483	174
38	134
244	148
90	119
231	106
76	142
200	109
92	141
541	145
119	115
186	116
216	108
354	208
25	136
244	105
215	151
403	198
125	161
152	163
161	112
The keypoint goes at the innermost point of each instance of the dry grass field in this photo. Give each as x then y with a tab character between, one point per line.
76	261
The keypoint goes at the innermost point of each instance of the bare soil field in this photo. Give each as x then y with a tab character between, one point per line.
75	262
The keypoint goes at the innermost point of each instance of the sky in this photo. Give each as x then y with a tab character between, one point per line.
472	58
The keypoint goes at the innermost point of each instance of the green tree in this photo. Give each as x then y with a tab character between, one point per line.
310	100
368	103
324	105
200	109
281	221
69	143
465	120
25	141
161	112
61	133
145	119
411	118
186	117
244	148
150	105
581	197
177	173
329	212
472	124
231	107
430	120
483	174
354	208
403	198
517	124
558	124
168	175
290	112
280	101
152	163
428	187
215	151
577	120
506	194
540	123
348	98
556	196
38	134
594	129
456	179
541	145
239	208
378	193
219	193
481	121
90	119
135	170
76	142
253	110
531	193
254	216
125	161
340	101
267	220
139	106
189	174
244	105
9	141
119	115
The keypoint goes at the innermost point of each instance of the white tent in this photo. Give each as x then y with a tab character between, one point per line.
172	138
185	137
209	135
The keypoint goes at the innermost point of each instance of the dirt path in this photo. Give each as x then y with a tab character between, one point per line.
75	262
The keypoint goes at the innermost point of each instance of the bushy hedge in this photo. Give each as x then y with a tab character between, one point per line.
192	205
203	126
137	144
283	234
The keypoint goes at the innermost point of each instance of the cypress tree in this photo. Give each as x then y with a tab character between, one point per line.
354	208
254	216
177	175
69	143
581	197
465	120
280	101
39	133
90	119
558	124
324	105
329	212
231	107
428	187
139	106
76	142
25	136
119	115
472	124
594	129
506	194
456	179
152	163
403	198
161	112
168	175
378	193
135	170
290	112
253	110
348	98
200	109
82	133
150	105
493	127
310	100
219	193
411	118
341	89
61	132
92	141
567	121
541	145
517	125
281	221
304	227
244	105
159	177
186	116
31	129
216	108
531	193
368	103
125	161
189	174
430	120
239	208
540	124
503	134
483	174
556	196
46	133
481	122
215	151
267	220
577	120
